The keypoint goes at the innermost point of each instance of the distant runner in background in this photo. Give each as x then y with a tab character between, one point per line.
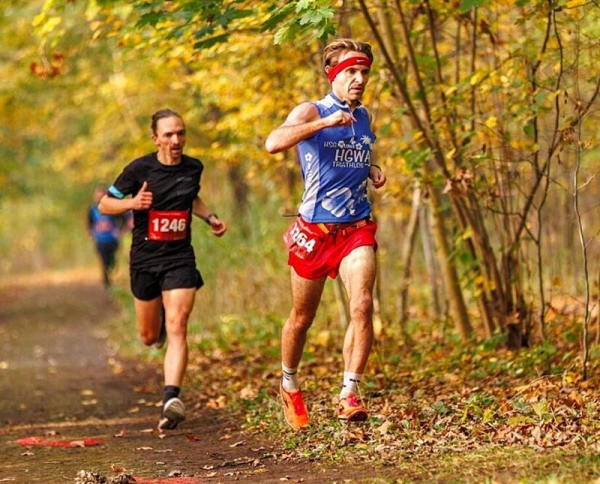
106	232
333	233
162	188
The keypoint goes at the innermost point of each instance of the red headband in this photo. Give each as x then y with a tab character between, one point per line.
351	61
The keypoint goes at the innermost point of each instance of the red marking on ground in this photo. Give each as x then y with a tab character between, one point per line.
58	443
172	480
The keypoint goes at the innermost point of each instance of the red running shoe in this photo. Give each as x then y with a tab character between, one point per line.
294	409
351	409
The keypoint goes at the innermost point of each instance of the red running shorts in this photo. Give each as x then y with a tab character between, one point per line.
316	250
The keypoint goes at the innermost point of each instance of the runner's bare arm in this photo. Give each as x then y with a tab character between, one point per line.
201	210
375	172
376	175
115	206
303	122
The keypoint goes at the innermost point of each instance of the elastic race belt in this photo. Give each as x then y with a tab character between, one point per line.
332	228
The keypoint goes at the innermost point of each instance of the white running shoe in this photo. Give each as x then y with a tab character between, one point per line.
172	415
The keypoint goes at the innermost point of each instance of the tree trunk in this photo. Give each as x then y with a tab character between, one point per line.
456	302
240	198
406	256
432	268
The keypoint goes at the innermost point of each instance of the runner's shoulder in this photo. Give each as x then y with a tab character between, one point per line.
190	160
141	164
145	160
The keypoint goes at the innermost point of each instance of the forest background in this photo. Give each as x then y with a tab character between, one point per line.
486	115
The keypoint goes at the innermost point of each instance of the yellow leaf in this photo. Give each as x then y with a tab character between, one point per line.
492	122
557	67
322	338
38	19
450	154
51	24
479	280
540	408
450	90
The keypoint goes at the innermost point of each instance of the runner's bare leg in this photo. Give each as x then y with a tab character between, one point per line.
178	306
306	295
148	319
357	271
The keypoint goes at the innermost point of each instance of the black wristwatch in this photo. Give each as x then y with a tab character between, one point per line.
207	218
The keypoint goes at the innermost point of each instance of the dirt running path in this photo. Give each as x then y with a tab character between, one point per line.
60	384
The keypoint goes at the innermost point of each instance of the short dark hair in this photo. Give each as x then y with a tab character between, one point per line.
336	48
161	114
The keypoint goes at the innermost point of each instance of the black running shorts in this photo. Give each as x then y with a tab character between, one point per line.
148	284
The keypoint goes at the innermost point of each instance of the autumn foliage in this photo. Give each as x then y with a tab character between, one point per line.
485	114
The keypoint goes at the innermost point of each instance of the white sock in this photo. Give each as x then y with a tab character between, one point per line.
290	382
351	381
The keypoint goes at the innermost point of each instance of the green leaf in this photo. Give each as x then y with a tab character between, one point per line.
204	31
326	32
208	43
232	14
287	32
150	18
277	17
540	408
467	5
528	130
520	420
316	17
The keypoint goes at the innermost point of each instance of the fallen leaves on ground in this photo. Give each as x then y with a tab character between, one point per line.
174	477
435	398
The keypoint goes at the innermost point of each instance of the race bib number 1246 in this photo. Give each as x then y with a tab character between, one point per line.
167	225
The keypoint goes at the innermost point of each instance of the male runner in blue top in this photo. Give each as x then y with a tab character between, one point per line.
105	231
164	191
333	232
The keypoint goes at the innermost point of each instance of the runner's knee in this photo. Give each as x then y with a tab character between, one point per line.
301	320
177	322
147	337
361	306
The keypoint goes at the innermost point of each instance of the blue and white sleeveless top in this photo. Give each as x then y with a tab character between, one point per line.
335	167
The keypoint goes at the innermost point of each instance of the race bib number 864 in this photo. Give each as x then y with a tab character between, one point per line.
300	240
